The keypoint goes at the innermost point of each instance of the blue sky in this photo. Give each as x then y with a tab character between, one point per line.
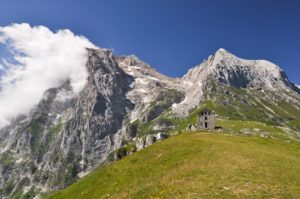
174	35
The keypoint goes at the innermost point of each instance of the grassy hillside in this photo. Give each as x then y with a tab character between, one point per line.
199	165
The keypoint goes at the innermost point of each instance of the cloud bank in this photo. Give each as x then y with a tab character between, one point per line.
42	59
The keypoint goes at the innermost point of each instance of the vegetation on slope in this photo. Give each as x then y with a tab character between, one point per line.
198	165
235	105
253	104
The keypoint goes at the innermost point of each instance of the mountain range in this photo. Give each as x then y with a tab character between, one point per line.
67	135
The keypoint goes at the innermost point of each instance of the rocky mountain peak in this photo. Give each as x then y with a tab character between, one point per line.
229	69
225	58
132	61
68	134
223	53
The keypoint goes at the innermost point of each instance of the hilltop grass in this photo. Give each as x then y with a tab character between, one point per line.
198	165
233	125
255	128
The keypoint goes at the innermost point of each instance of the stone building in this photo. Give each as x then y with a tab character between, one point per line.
206	120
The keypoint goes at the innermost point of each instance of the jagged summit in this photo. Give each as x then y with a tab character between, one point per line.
232	60
227	69
132	60
221	52
232	70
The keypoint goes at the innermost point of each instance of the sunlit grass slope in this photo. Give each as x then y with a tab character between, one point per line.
199	165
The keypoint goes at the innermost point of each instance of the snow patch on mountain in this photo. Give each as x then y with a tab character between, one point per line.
147	84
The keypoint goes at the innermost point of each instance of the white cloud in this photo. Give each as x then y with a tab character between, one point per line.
44	60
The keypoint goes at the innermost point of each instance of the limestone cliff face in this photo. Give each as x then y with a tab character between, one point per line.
66	135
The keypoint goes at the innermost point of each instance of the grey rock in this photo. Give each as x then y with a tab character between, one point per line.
191	127
140	144
150	139
161	136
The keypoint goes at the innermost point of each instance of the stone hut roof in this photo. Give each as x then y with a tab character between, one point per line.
206	110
